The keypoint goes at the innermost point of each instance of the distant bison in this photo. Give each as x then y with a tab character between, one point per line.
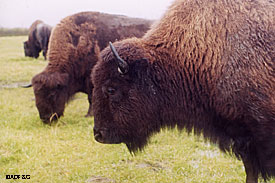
74	49
206	66
39	34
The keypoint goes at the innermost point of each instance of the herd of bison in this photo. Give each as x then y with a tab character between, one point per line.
205	66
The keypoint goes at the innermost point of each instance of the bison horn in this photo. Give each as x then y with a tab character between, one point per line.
122	64
27	86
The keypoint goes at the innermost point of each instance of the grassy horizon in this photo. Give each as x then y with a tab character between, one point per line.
4	32
67	152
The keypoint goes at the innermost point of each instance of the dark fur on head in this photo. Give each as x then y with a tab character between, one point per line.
74	49
204	67
125	123
51	91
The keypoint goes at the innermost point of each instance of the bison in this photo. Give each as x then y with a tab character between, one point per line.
74	49
205	66
39	35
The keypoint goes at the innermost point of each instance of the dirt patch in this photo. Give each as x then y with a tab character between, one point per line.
155	166
13	85
99	179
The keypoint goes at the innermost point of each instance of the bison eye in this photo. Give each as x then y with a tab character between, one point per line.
111	90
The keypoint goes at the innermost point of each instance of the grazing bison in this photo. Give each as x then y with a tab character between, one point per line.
74	49
206	66
39	35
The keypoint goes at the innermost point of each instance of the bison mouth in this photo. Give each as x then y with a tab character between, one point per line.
106	136
49	119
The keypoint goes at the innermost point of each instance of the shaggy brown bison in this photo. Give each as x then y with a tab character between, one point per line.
74	49
39	34
206	66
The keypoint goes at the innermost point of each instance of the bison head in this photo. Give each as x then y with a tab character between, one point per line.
50	90
125	99
31	50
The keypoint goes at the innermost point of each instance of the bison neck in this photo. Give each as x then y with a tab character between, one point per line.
184	96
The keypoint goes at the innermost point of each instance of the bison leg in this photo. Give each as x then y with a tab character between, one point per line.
251	175
45	54
90	112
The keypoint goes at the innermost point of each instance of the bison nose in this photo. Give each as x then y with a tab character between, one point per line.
45	120
98	134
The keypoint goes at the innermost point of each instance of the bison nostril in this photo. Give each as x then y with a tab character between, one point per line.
98	135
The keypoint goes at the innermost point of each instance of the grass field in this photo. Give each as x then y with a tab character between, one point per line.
67	152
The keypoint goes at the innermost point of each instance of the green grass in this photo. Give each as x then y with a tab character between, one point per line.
67	152
15	67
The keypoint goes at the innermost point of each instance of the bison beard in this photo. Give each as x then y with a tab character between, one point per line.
205	67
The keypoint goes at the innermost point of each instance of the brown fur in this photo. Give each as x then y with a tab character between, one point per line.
73	50
39	34
206	66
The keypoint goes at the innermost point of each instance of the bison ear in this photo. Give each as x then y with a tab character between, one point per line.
52	80
58	80
140	65
140	68
61	79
